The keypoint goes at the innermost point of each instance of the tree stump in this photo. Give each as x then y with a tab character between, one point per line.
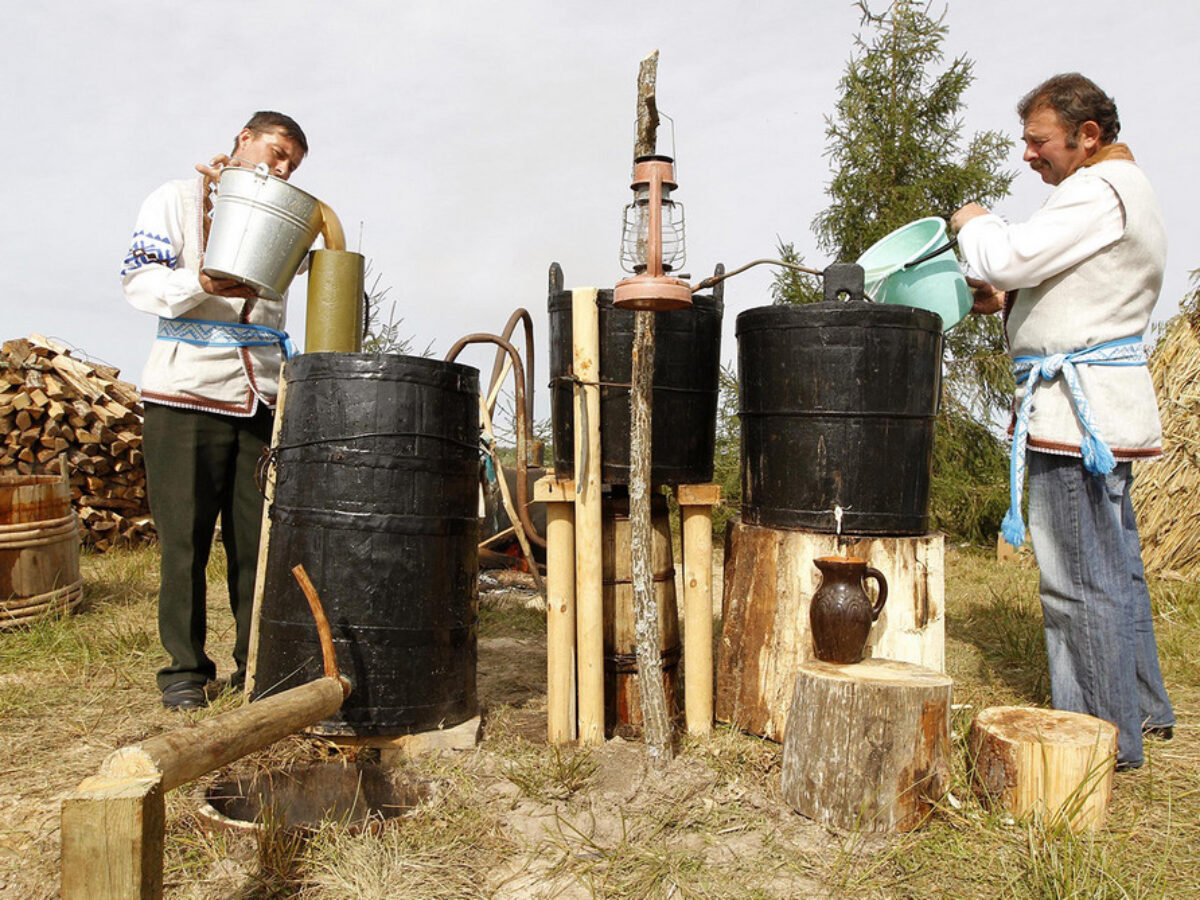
867	745
769	582
1044	762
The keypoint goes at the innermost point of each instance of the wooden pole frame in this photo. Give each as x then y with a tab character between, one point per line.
264	541
561	710
696	502
589	572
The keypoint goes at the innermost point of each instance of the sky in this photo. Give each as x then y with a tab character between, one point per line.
467	145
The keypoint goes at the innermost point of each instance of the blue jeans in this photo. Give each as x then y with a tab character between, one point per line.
1095	605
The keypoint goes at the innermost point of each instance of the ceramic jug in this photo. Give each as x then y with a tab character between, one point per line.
841	613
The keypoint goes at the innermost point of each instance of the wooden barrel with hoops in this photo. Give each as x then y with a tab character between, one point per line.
39	549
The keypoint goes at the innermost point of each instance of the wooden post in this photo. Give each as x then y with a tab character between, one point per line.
696	502
560	607
589	580
656	721
867	746
264	541
113	830
1045	762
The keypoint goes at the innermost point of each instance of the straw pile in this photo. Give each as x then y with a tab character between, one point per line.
1166	492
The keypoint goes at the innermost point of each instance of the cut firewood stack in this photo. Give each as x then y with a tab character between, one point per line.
52	405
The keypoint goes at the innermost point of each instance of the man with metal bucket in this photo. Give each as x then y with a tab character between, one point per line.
209	388
1076	285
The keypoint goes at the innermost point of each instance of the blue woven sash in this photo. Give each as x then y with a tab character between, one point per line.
203	333
1097	457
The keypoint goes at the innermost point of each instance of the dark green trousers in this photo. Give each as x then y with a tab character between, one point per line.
200	465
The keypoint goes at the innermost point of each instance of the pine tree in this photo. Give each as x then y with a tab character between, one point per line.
896	150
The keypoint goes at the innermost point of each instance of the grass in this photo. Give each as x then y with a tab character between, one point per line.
520	819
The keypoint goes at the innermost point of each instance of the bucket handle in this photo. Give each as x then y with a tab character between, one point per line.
949	245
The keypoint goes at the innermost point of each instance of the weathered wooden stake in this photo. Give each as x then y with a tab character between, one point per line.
264	541
656	722
589	573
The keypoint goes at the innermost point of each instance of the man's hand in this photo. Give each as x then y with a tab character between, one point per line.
988	299
212	170
965	215
226	287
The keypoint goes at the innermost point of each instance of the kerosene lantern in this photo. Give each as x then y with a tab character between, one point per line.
652	241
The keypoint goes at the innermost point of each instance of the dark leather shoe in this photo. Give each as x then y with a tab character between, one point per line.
184	695
1162	732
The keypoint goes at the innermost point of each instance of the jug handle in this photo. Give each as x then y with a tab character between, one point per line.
881	583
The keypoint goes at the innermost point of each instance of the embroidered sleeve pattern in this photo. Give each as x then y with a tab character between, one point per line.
147	248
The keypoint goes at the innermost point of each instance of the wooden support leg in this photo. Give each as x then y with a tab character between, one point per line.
560	607
696	502
589	575
112	839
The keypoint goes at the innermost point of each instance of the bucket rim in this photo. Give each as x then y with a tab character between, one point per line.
874	276
253	172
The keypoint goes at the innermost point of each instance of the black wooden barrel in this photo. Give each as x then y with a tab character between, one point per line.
838	402
376	493
687	366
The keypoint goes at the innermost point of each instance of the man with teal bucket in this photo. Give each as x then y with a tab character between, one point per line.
1076	284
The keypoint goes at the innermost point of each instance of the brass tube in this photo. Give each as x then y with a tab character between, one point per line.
335	302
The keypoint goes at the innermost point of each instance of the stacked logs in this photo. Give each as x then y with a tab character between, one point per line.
54	405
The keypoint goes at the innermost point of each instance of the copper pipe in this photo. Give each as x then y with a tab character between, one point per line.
522	425
324	632
716	279
518	315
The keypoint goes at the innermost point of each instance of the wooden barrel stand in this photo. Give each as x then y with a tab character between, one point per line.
769	582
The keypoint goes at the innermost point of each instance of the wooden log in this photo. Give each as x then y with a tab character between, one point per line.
589	580
1045	763
867	745
112	839
696	502
187	753
560	607
769	582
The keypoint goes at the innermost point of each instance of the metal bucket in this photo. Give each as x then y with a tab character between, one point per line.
261	229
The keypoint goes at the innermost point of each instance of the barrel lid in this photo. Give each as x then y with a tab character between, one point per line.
381	365
836	313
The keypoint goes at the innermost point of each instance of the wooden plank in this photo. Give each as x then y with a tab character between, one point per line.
549	489
698	494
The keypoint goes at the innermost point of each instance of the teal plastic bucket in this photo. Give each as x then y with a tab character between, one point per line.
936	284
